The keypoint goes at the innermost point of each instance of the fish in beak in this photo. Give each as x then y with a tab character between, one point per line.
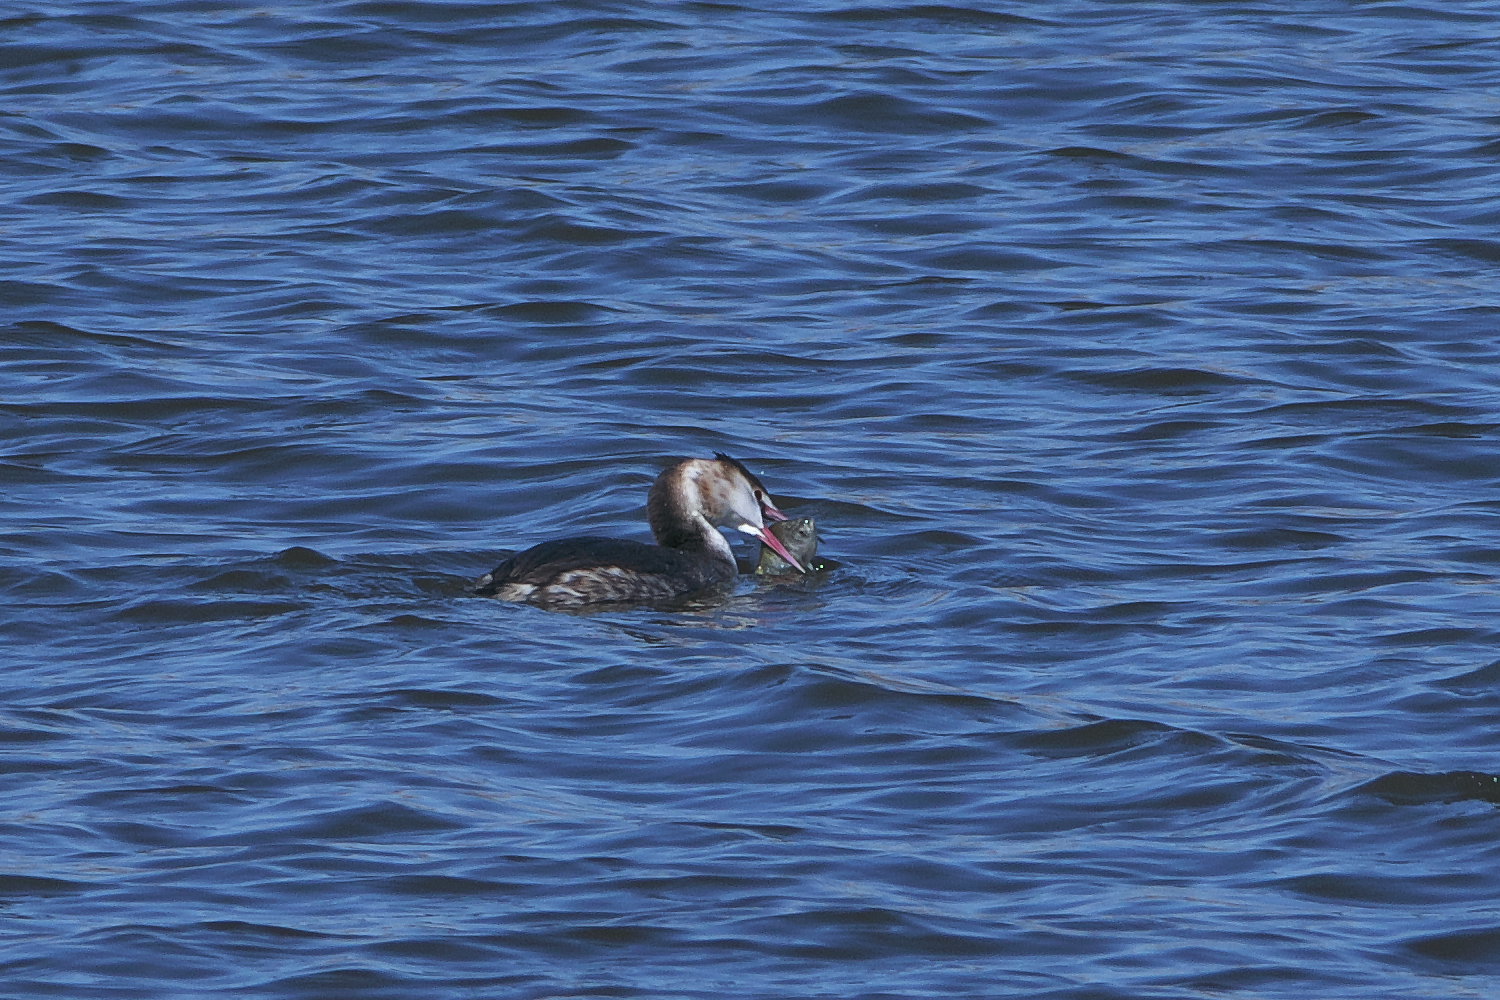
769	538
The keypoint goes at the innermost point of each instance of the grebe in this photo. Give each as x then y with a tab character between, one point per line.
687	503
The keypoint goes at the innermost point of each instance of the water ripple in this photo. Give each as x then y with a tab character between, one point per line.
1136	361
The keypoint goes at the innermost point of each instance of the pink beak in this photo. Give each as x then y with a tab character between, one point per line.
770	539
769	510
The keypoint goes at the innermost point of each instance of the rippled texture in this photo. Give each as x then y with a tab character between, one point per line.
1137	361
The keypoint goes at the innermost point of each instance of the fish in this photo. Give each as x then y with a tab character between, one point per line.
800	536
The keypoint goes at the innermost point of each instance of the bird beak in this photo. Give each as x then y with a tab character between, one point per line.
769	510
765	535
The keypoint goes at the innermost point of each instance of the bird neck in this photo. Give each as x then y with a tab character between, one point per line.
675	510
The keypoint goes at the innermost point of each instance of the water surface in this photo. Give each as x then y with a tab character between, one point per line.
1137	361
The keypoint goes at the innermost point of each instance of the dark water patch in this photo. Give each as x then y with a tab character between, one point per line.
19	294
1115	160
81	201
865	933
920	193
1427	638
1166	380
535	116
1451	429
1465	951
1281	538
1166	430
927	17
881	112
438	700
14	886
1479	680
553	313
286	573
1482	250
1095	738
781	192
1363	411
342	981
175	799
20	736
1385	889
585	149
371	823
1340	118
178	612
1412	788
440	886
979	260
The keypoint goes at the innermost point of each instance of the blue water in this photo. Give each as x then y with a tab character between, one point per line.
1138	362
